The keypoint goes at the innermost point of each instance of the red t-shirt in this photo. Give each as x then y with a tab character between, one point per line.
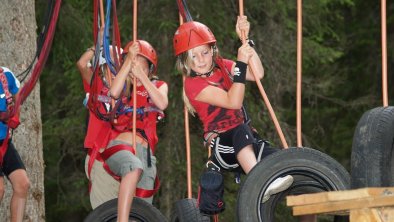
213	117
146	116
101	132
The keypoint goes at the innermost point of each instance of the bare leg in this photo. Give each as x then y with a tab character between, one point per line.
20	185
127	189
247	158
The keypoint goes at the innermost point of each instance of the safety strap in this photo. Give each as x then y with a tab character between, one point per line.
148	193
4	147
143	134
5	115
144	193
107	153
94	151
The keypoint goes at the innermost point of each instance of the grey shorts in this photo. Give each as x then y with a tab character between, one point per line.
124	161
104	187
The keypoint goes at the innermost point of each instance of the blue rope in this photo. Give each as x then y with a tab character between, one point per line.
187	12
97	51
106	44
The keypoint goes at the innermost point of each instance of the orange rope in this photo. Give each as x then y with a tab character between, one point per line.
187	137
262	91
384	54
134	78
101	13
299	72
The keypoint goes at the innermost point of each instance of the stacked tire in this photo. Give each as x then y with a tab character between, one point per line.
372	161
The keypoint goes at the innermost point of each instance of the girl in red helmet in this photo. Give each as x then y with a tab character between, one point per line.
214	88
125	160
120	169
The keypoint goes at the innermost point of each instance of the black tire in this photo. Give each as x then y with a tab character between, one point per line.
372	161
186	210
141	211
312	170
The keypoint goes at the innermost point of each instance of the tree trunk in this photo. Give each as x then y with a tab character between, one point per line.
17	49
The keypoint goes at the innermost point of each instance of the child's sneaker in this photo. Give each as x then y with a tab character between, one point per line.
278	185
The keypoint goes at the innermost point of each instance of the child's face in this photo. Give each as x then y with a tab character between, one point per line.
201	58
143	63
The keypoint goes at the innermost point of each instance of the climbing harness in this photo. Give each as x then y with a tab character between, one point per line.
116	114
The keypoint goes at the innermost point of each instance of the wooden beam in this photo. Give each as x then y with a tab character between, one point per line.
345	205
338	195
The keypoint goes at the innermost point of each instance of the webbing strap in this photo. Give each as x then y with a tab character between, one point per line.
148	193
144	193
95	150
107	153
8	97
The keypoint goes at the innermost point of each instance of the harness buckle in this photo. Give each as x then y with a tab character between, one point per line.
212	166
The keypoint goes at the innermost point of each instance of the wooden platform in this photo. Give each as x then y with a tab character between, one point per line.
363	205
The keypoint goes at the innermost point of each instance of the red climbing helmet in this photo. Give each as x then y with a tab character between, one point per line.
190	35
147	51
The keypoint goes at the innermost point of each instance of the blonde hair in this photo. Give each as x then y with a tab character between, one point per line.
183	63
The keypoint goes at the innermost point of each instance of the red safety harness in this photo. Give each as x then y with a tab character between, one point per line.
106	130
9	117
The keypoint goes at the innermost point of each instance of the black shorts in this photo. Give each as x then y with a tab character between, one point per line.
12	161
226	146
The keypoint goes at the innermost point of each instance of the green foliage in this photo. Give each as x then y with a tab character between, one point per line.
341	80
64	117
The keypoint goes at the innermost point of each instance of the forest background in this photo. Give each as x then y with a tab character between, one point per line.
341	80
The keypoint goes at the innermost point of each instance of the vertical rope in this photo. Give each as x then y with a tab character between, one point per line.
184	14
134	78
384	54
262	91
299	72
187	137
